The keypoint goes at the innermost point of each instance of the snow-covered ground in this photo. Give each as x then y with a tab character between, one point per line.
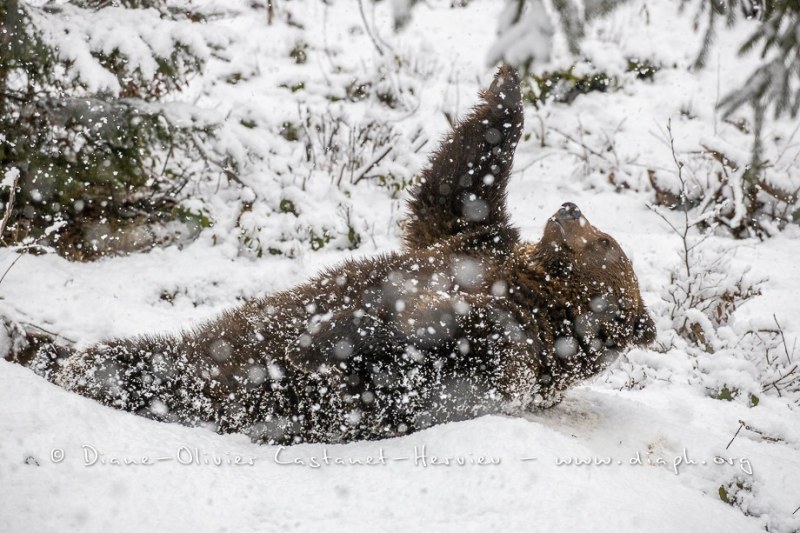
520	486
657	416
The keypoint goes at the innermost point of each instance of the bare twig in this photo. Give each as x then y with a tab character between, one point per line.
48	332
366	27
684	201
12	265
774	384
372	163
783	338
760	433
741	425
723	159
581	144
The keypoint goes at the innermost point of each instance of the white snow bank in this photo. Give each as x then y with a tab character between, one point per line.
45	491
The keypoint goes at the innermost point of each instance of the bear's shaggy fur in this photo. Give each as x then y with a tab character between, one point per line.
466	320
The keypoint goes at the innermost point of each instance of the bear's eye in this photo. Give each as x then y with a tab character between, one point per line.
604	241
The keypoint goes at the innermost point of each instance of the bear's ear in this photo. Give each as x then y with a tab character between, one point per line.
644	330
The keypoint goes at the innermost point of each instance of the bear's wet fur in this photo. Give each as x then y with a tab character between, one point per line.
466	320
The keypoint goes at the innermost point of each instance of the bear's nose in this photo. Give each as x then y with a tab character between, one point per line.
569	211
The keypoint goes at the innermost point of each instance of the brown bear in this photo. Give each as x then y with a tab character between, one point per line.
466	320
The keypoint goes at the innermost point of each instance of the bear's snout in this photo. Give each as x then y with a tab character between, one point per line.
568	211
568	227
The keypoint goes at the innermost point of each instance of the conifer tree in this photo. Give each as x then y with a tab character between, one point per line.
83	121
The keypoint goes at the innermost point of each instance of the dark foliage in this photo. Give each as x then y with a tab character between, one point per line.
90	162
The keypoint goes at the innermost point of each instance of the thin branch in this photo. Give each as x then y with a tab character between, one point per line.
783	338
664	218
741	425
760	433
366	27
52	333
12	265
582	145
371	164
